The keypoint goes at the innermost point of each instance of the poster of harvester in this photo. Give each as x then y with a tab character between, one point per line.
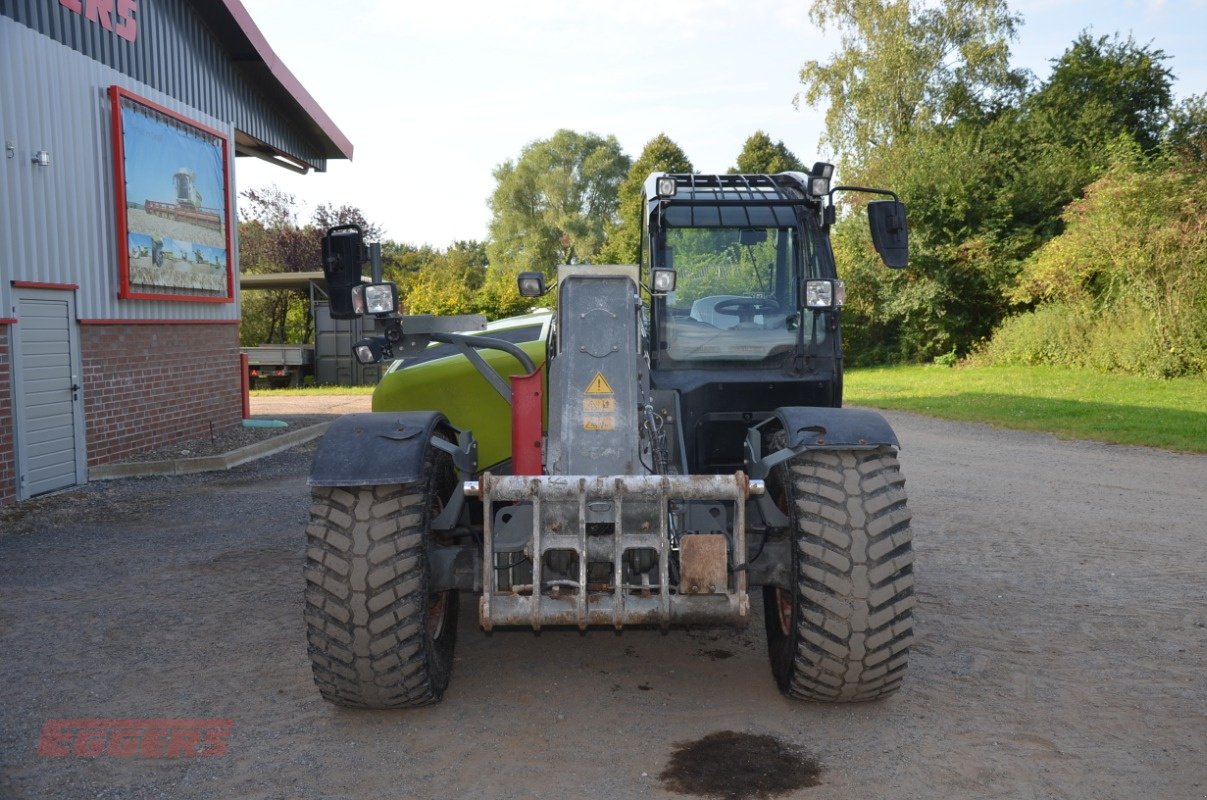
172	193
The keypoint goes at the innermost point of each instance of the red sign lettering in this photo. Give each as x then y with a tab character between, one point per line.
126	738
117	16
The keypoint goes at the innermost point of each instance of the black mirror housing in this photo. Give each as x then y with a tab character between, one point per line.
890	232
343	254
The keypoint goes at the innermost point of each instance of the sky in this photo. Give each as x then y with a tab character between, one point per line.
434	96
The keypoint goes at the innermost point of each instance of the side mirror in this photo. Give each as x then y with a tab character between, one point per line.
890	232
343	253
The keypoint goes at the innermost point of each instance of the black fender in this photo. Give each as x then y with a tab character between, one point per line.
811	428
376	449
824	428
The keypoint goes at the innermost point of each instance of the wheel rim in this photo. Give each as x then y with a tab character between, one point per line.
783	608
437	613
437	602
783	599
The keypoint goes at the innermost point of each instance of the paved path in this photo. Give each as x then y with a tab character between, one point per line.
311	404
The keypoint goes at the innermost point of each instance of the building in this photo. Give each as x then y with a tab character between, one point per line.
119	306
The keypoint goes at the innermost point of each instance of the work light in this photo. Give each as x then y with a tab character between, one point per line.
375	298
531	284
825	294
663	280
369	351
666	186
819	179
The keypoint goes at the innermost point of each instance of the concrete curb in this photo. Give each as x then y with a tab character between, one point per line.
184	466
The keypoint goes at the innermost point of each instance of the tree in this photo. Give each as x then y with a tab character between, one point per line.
1186	134
661	154
1106	87
555	202
762	156
905	65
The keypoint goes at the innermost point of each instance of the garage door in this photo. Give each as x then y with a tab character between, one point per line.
50	447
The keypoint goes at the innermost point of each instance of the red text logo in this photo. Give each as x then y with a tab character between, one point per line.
129	738
112	15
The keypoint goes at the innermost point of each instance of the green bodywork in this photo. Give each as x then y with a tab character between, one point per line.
453	386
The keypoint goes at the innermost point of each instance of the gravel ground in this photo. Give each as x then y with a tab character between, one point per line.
299	411
1061	651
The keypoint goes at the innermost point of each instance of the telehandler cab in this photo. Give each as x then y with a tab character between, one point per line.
695	448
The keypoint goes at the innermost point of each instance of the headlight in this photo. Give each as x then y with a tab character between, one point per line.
531	284
375	298
825	294
663	280
370	350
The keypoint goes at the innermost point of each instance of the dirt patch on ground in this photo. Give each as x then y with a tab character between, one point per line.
736	766
1061	649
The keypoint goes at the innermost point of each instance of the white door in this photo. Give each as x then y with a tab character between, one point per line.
46	380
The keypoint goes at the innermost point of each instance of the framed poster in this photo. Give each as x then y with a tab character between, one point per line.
173	219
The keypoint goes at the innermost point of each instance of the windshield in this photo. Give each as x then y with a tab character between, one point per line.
735	293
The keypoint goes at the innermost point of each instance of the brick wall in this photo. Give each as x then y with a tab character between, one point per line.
146	386
8	453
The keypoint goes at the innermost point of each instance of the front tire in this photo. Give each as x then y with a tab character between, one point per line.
843	632
378	638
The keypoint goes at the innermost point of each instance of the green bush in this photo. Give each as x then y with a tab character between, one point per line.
1124	288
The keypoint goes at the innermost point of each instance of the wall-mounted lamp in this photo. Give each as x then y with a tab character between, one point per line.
42	158
10	150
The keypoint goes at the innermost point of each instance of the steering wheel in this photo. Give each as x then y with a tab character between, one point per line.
746	308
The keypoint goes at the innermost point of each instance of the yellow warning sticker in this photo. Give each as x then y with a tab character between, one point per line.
599	385
598	405
599	423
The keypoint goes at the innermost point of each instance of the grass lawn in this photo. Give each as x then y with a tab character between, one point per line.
1073	404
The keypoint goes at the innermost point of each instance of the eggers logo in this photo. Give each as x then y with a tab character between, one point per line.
129	738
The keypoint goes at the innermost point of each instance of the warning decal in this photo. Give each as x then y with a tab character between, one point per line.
599	405
599	385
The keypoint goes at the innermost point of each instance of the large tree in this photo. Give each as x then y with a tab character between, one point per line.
906	65
1103	87
554	203
660	154
763	156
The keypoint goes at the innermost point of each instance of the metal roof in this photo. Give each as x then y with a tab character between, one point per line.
253	56
280	280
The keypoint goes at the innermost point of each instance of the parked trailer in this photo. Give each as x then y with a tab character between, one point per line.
278	365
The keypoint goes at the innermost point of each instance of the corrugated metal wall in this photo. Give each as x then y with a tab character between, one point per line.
178	55
57	223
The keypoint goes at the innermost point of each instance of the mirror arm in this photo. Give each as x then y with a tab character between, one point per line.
865	189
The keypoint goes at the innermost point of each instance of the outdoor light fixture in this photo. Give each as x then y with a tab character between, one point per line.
531	284
375	298
663	280
825	294
667	186
42	158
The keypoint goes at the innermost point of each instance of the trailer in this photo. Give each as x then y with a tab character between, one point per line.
278	365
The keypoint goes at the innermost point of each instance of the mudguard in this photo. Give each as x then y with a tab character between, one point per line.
375	449
835	428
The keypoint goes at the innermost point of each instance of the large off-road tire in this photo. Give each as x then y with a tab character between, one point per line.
378	638
843	632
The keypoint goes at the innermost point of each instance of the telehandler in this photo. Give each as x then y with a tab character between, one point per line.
674	439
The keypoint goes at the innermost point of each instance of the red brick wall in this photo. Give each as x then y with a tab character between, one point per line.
146	386
8	453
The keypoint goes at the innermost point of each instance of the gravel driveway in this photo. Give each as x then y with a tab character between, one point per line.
1061	649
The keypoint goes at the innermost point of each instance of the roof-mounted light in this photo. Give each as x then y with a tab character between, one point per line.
819	179
666	186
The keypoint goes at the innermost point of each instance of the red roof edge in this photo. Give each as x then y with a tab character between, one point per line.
287	79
